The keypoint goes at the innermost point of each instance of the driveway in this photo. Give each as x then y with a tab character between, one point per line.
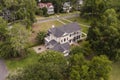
3	70
57	18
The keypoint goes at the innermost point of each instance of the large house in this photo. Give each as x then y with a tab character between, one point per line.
60	38
49	6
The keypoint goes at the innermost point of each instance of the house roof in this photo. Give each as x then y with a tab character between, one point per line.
47	5
61	47
69	28
66	4
53	42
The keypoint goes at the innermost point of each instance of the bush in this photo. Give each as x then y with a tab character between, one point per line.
45	12
40	37
39	12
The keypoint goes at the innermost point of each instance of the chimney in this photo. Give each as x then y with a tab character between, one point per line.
53	26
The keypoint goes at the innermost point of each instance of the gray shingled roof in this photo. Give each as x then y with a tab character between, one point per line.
69	28
53	42
61	47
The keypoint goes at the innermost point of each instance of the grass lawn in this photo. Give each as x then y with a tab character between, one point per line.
45	26
14	64
115	73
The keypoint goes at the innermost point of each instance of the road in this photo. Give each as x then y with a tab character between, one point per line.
57	18
3	70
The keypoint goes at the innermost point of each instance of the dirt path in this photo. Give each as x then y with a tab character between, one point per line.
3	70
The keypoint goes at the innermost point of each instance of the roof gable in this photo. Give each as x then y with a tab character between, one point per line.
69	28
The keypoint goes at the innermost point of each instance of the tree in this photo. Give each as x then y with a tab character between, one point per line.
16	42
40	37
100	68
104	35
45	12
96	69
51	66
3	29
83	48
78	68
22	10
94	8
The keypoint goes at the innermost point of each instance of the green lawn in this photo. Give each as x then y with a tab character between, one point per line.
13	64
115	73
45	25
80	20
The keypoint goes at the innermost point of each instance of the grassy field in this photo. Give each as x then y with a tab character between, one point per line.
14	64
45	26
115	73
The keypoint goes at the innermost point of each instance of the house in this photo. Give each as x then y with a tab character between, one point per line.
67	7
49	6
60	38
79	4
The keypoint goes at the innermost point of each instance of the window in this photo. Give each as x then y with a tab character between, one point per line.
70	35
61	40
64	39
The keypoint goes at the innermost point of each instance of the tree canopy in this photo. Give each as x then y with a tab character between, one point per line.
94	8
3	29
21	10
51	66
16	42
104	35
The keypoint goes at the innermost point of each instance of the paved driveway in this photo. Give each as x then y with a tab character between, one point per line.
3	70
57	18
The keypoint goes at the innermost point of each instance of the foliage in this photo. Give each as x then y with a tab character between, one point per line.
3	29
50	67
39	12
40	37
21	9
94	8
104	35
78	68
100	68
15	43
45	12
84	48
96	69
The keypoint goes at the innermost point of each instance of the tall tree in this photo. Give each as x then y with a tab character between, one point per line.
22	10
104	35
96	69
94	8
78	67
3	29
16	42
100	68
